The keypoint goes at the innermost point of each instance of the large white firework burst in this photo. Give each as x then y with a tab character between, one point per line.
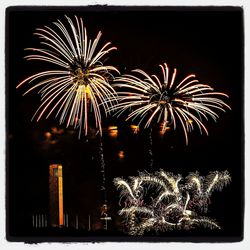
167	101
162	201
79	81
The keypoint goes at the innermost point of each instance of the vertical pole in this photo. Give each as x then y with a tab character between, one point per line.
89	223
42	221
36	220
106	225
76	221
39	221
45	222
33	220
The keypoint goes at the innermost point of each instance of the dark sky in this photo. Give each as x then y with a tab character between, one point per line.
205	41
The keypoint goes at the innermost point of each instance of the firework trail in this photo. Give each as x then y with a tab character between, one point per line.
102	165
160	202
167	101
78	82
150	150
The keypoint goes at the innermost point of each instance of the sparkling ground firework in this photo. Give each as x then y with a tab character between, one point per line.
161	202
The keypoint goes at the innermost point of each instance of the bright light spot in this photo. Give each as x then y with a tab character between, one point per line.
134	128
113	131
47	135
189	121
121	154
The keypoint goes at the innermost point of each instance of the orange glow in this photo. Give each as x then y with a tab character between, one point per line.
113	131
121	154
163	129
134	128
112	128
53	142
189	121
56	194
57	131
60	193
47	135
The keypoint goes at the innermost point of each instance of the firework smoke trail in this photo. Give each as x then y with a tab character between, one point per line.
158	202
79	81
167	101
102	165
150	150
104	207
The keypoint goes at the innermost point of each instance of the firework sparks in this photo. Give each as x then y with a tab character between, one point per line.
160	202
168	101
79	82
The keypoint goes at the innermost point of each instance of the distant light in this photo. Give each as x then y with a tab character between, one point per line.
57	131
121	154
47	135
113	131
134	128
106	218
49	139
112	128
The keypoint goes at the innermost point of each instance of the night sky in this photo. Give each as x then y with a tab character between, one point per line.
205	41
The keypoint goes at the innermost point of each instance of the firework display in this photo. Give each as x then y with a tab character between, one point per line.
167	101
79	81
162	201
127	174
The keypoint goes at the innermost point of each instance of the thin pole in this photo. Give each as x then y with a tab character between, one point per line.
36	220
33	220
45	222
42	221
106	225
76	221
39	221
89	223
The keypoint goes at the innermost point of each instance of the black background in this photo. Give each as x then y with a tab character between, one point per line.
204	41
